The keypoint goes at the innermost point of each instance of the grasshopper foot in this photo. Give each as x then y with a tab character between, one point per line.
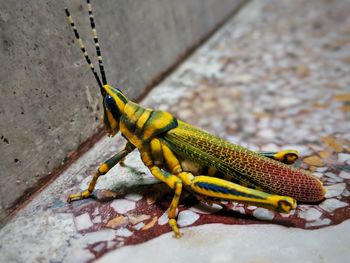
175	228
83	195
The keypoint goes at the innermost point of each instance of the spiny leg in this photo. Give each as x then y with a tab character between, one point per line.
152	156
222	189
103	169
285	156
174	183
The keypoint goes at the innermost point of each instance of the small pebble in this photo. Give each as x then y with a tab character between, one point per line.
263	214
321	169
123	206
186	218
83	222
346	193
123	232
321	222
335	190
239	209
310	214
330	205
163	219
334	177
95	213
343	157
345	175
98	248
133	197
97	220
318	175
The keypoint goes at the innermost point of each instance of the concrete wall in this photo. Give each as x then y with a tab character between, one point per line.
49	101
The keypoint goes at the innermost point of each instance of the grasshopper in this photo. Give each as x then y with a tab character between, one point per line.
183	156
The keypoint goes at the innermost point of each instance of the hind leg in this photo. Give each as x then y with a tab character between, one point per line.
225	190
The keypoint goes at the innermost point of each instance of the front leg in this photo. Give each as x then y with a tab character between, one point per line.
102	169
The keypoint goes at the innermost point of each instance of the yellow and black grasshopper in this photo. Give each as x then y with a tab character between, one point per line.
181	155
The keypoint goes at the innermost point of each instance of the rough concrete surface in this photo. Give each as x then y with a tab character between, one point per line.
49	101
258	83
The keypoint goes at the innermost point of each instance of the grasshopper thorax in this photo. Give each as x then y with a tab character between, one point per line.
113	106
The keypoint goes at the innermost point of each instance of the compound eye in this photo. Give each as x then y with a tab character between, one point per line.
109	102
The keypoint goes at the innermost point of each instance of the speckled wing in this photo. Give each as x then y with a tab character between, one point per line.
242	164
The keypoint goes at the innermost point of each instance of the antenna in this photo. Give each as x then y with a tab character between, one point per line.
82	48
97	45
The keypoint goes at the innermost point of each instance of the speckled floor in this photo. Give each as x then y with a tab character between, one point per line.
275	77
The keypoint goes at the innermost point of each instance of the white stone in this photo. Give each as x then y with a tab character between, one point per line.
139	225
99	247
123	206
330	205
97	220
163	219
263	214
320	222
186	218
317	174
346	193
345	175
123	232
239	209
288	101
310	214
95	213
99	236
133	197
321	169
343	157
334	190
83	222
206	209
334	177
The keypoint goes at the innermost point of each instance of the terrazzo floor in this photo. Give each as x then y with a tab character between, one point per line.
276	76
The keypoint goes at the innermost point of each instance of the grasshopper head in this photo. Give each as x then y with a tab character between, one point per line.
113	106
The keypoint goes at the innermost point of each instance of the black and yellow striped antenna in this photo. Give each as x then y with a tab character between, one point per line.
97	44
82	47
